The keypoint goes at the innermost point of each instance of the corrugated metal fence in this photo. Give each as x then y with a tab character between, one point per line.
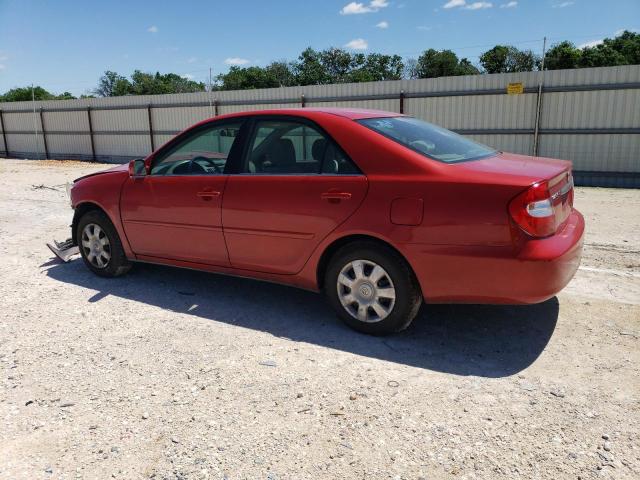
590	116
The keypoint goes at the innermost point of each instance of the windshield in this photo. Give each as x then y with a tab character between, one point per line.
430	140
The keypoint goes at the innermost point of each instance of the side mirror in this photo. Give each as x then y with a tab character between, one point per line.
137	168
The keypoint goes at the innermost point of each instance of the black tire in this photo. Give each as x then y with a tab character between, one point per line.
408	296
117	264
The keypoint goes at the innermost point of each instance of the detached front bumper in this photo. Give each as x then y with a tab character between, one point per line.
64	250
498	275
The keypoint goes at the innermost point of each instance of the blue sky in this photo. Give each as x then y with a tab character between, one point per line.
67	44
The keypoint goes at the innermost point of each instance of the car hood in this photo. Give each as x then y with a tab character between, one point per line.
117	169
517	169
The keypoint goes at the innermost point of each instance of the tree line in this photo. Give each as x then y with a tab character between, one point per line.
336	65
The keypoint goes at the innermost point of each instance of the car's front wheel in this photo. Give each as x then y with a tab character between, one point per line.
372	288
100	245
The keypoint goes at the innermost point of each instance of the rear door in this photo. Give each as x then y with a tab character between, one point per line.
175	211
294	187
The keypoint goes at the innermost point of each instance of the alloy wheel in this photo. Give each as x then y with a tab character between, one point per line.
96	246
366	291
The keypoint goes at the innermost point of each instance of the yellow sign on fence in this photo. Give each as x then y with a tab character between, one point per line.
515	88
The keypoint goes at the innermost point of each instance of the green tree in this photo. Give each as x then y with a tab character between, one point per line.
309	68
508	59
433	63
283	72
465	67
112	84
495	60
375	67
622	50
156	84
337	64
65	96
600	56
628	44
24	94
239	78
562	55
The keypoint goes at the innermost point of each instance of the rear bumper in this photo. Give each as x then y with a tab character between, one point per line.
472	274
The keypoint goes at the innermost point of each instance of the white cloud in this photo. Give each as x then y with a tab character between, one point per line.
357	44
478	5
187	76
467	6
356	8
383	25
2	67
424	28
236	61
590	44
152	29
562	5
192	60
509	5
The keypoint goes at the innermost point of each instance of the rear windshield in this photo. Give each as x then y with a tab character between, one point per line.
431	141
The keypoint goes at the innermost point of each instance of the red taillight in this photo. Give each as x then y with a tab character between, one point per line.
544	206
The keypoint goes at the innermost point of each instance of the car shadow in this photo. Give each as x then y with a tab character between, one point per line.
481	340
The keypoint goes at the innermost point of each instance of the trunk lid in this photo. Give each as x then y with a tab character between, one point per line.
521	170
538	191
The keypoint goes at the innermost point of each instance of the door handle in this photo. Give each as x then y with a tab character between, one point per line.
335	196
208	194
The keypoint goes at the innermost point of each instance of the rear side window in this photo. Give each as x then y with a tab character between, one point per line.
291	147
428	139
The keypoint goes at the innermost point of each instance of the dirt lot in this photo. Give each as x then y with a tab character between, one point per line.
177	374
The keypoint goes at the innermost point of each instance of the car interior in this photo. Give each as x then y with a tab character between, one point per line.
285	151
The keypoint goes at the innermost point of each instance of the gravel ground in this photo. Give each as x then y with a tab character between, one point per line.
170	373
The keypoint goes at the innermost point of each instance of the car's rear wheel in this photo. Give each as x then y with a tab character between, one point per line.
100	245
372	288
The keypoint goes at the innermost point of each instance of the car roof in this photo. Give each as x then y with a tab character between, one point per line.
351	113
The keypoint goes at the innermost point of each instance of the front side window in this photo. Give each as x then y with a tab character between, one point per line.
428	139
290	147
202	153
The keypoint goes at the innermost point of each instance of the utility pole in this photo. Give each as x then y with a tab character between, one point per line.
35	121
536	132
210	93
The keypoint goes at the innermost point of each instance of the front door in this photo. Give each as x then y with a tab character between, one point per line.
296	186
175	211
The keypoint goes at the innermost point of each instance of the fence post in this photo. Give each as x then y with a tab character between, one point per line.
401	101
4	134
44	134
536	128
303	101
93	147
215	107
153	146
536	131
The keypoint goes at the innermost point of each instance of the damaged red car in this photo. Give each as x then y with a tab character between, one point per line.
379	211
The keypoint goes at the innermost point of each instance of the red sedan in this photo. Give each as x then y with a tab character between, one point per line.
379	211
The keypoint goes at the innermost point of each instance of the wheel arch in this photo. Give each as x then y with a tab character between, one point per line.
337	244
80	210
